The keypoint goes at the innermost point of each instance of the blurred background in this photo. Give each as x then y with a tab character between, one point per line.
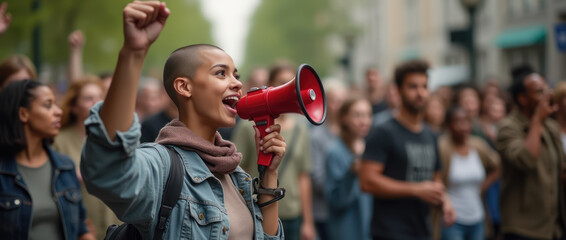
464	40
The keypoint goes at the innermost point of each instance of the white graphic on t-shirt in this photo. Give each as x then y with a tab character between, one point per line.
420	162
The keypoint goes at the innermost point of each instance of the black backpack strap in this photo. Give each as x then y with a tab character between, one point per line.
171	192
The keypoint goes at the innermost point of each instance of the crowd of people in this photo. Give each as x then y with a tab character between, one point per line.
395	161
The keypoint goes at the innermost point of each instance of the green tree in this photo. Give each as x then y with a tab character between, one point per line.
295	30
101	22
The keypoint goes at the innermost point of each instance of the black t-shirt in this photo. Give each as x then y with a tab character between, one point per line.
406	156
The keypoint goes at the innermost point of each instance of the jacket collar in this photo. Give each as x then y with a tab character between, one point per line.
8	164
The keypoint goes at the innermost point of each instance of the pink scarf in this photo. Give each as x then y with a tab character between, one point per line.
220	157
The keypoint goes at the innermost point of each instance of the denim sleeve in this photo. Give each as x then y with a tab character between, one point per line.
510	143
340	189
82	224
125	177
280	235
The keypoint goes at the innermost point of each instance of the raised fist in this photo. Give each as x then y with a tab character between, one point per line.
5	18
76	40
143	22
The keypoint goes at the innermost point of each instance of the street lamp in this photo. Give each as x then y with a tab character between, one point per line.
471	6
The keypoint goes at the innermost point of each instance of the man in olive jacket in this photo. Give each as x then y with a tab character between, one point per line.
532	194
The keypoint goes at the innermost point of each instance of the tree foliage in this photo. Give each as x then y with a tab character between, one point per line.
101	22
295	30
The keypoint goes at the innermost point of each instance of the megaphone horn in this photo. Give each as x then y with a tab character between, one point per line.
303	95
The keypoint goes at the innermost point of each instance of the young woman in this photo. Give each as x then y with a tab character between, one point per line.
39	190
82	94
349	208
216	197
469	168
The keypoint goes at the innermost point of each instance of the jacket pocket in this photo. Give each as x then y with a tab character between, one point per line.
10	216
205	221
71	204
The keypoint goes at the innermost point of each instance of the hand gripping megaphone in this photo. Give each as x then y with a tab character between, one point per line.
303	95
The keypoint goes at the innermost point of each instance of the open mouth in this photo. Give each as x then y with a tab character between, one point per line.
231	102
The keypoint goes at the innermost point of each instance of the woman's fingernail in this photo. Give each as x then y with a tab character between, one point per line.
261	148
261	141
267	130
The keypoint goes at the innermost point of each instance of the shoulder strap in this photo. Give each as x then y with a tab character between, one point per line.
171	192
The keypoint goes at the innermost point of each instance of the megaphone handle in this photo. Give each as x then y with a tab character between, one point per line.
263	123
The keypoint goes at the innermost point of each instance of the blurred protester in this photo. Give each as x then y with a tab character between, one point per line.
79	98
434	113
82	94
375	90
348	207
151	98
469	168
295	210
493	111
393	104
152	125
320	137
532	196
468	98
560	100
5	18
16	68
76	44
41	193
401	166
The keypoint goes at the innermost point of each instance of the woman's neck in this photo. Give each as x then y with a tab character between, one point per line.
34	155
204	130
459	141
350	140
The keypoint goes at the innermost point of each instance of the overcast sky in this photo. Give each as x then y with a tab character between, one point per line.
230	24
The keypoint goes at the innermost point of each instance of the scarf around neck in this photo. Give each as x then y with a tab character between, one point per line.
220	157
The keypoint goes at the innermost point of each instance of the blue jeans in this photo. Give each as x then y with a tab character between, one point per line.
464	232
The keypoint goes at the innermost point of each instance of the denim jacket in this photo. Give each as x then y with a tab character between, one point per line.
16	204
130	179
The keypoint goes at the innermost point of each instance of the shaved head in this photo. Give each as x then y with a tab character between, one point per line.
183	62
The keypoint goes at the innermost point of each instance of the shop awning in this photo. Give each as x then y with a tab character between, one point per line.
520	37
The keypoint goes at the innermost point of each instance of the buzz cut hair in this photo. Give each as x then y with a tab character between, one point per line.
183	62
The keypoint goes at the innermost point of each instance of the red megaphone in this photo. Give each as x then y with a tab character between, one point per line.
303	95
